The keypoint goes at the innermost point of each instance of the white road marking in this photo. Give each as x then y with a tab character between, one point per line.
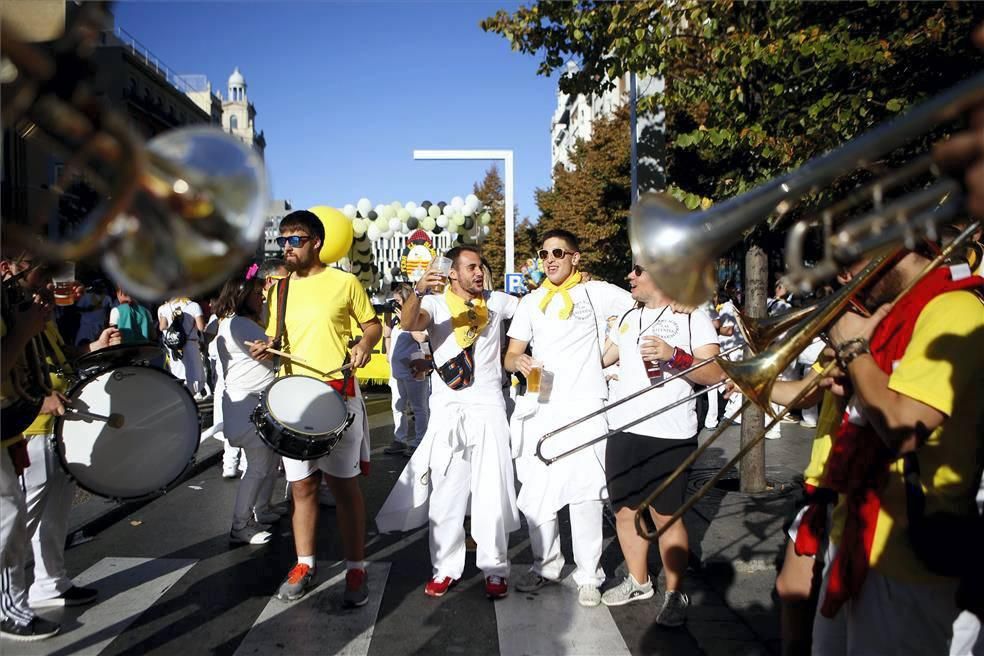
127	587
317	623
550	621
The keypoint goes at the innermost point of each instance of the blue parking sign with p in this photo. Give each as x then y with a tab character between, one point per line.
514	283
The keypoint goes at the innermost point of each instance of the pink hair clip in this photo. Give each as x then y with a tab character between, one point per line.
252	271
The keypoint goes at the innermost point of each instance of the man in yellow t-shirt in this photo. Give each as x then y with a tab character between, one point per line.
929	405
321	302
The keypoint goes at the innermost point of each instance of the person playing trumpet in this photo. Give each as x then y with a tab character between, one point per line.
654	340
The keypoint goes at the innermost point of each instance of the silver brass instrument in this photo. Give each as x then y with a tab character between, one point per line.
30	379
680	249
756	376
180	214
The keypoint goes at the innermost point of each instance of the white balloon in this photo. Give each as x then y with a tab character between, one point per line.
364	206
386	235
442	221
349	210
395	224
467	211
372	232
410	206
458	202
448	210
471	199
379	209
404	229
359	227
420	213
486	230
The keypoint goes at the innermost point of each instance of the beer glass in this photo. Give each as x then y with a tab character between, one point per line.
442	265
64	280
534	379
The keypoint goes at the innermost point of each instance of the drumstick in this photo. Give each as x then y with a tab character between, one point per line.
114	420
304	363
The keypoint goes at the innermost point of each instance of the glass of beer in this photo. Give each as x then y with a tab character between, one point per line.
442	265
534	379
64	280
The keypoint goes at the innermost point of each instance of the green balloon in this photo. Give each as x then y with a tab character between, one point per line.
428	223
402	214
433	211
486	218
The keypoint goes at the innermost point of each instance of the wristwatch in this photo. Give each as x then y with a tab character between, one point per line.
848	351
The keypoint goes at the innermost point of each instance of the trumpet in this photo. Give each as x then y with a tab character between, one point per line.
680	249
181	212
755	378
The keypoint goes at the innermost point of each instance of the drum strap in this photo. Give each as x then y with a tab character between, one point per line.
280	341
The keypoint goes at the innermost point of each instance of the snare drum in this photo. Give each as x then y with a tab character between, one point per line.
300	417
145	456
121	355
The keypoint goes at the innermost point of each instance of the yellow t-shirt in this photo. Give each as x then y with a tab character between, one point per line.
943	367
827	424
54	349
318	324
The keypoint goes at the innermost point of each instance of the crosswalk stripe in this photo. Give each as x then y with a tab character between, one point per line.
550	621
127	587
317	624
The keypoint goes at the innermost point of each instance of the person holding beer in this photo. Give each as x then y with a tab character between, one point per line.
654	341
565	322
465	451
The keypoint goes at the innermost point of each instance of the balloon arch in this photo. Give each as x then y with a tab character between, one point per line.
368	240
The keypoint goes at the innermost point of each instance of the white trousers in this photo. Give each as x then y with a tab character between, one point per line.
255	486
712	409
48	496
451	489
14	547
415	394
586	539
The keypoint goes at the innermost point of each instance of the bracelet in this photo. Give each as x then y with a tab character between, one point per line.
848	351
681	359
419	293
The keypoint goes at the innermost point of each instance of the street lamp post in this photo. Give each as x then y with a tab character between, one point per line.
507	158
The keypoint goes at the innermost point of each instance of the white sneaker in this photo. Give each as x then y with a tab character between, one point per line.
250	534
230	473
627	592
588	595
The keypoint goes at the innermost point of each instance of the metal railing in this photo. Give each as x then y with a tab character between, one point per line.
151	60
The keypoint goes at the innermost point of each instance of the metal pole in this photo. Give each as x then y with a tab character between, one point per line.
752	468
633	152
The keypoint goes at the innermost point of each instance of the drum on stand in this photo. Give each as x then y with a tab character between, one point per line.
300	417
154	445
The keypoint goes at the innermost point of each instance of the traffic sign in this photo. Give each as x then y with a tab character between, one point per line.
514	283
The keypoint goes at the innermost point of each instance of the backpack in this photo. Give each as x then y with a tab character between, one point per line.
175	336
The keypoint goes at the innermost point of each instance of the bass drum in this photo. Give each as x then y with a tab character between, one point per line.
121	355
152	448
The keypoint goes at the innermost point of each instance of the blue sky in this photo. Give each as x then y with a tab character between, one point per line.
345	91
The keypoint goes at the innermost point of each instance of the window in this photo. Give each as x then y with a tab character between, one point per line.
234	122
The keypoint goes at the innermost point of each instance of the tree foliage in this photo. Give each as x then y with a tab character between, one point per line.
492	194
592	201
753	89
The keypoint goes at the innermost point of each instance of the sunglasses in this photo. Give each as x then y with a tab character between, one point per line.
637	270
295	241
558	253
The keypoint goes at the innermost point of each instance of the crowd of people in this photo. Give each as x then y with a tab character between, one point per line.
889	535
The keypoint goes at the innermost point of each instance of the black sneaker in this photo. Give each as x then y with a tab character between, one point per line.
37	629
74	596
396	449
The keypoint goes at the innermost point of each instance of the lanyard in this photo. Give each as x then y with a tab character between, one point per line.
658	317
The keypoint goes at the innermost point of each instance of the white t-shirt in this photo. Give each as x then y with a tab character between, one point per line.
240	372
775	306
486	388
680	330
402	348
727	314
572	357
191	311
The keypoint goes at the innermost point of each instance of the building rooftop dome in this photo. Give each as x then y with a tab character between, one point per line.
237	79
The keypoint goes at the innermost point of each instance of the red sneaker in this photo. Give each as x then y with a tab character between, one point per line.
496	587
437	587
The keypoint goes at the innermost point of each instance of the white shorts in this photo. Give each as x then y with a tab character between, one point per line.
343	461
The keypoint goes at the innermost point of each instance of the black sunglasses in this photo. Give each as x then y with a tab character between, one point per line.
637	269
295	241
558	253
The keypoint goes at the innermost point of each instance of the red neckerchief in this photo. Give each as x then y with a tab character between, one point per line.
859	461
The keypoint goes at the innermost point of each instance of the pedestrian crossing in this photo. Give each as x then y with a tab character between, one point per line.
548	621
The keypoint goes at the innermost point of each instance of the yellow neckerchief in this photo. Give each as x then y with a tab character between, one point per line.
468	318
562	289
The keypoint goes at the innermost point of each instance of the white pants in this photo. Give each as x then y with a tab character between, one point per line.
255	486
888	617
586	539
712	409
449	496
14	541
48	496
415	394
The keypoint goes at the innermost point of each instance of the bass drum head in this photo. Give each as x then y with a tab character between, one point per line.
118	356
306	406
149	452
